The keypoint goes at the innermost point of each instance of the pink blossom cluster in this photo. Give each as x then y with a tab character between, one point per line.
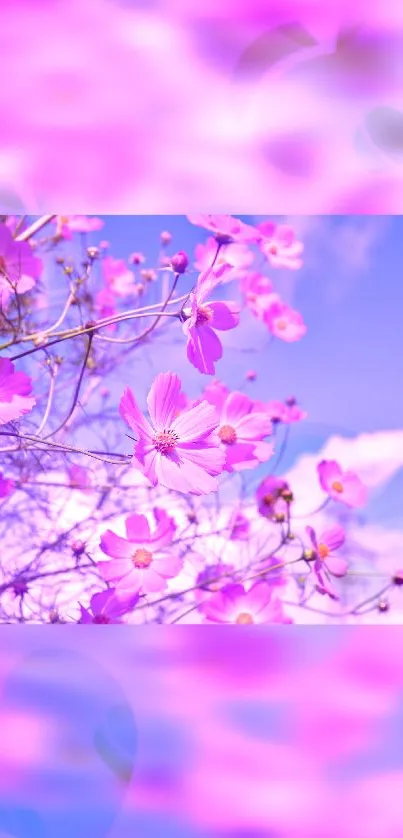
135	489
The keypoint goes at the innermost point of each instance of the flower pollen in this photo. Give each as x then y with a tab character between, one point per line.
142	558
204	314
323	551
282	323
227	434
337	486
165	441
244	619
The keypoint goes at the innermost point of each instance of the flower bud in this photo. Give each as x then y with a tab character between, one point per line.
165	237
179	262
251	375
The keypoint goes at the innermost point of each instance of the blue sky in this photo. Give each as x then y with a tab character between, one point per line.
346	371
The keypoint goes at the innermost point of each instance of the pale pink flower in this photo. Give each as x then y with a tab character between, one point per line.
226	228
141	561
106	607
118	278
280	246
204	347
344	486
284	322
177	450
241	433
233	604
105	306
19	268
15	389
237	255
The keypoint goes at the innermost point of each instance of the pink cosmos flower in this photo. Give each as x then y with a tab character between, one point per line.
282	412
284	322
68	224
15	389
233	604
237	255
6	486
141	560
258	293
19	268
227	229
324	562
118	278
241	433
106	607
344	486
280	246
105	306
273	498
177	451
204	347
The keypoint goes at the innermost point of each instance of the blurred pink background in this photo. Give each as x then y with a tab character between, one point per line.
292	106
289	733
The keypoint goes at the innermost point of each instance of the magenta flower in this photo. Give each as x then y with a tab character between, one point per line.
284	322
177	451
237	255
204	347
19	268
324	562
118	278
6	486
280	246
344	486
141	560
273	498
15	388
233	604
106	607
227	229
241	433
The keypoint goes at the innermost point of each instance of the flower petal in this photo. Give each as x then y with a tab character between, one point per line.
163	400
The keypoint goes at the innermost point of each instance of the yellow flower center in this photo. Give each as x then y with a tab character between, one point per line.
337	486
204	314
227	434
165	441
323	551
268	500
282	323
142	558
244	619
